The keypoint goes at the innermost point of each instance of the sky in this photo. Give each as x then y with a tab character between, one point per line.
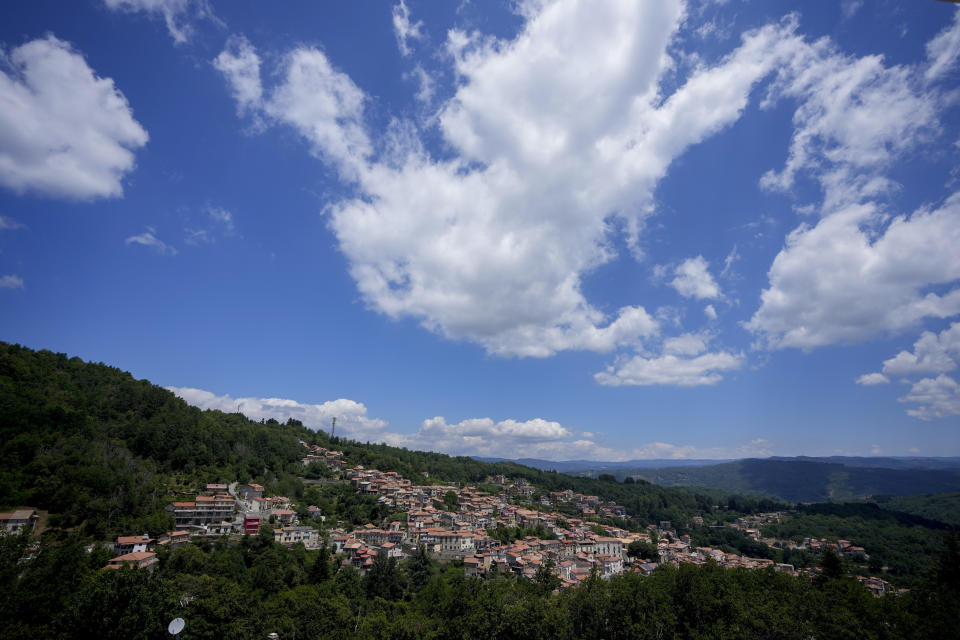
565	229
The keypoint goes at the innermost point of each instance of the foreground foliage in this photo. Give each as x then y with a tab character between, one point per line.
250	589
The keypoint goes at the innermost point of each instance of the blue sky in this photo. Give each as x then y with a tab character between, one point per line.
605	230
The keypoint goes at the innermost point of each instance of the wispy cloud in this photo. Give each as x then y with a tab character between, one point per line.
216	222
149	239
178	15
404	29
9	224
11	282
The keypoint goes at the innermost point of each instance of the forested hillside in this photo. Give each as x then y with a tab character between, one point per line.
944	507
101	450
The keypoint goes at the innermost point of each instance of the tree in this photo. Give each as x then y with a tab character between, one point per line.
451	501
384	579
128	603
546	578
639	549
830	564
947	569
419	569
320	571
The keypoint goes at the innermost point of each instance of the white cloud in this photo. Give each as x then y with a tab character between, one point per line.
149	239
549	441
176	14
404	29
670	369
857	274
553	134
875	450
240	64
944	49
9	224
11	282
352	418
66	132
693	280
688	344
324	106
939	398
872	379
710	312
535	438
756	448
932	353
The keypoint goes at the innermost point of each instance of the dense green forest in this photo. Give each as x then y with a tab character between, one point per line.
798	480
250	589
943	507
901	546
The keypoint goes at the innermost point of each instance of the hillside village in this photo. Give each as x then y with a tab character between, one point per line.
453	523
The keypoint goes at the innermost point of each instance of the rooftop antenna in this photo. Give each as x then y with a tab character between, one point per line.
176	626
333	428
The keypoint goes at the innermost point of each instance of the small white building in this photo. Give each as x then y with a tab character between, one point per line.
18	521
288	536
132	544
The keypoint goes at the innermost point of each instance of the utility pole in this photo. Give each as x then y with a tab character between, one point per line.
333	428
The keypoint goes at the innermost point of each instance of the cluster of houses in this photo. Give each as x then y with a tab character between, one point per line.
878	587
216	512
574	550
331	459
844	548
139	552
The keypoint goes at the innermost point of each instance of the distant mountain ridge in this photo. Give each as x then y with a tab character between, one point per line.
804	480
947	463
796	479
572	466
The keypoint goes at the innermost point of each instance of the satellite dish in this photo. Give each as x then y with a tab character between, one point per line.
175	626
